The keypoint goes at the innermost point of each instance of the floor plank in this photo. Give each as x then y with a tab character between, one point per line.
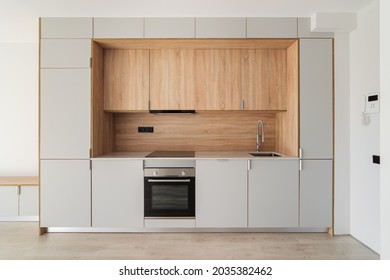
20	240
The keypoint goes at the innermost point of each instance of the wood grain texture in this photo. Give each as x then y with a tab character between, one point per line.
205	131
264	79
19	181
126	80
127	44
172	79
102	122
287	123
218	79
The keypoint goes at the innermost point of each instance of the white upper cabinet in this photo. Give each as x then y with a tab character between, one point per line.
221	193
169	27
118	28
117	193
220	27
73	28
65	113
65	53
272	28
273	193
304	30
316	193
316	98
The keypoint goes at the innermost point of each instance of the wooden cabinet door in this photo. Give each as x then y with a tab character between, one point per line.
218	79
117	193
221	193
65	192
316	193
264	79
172	82
273	193
316	98
126	80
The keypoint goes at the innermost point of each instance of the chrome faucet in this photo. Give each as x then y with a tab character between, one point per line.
259	123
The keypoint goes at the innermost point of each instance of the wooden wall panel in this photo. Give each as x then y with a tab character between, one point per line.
172	80
205	131
288	122
126	80
218	79
102	122
264	79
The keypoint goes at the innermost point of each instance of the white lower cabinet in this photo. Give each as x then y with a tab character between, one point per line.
65	193
273	193
316	193
221	193
19	203
117	193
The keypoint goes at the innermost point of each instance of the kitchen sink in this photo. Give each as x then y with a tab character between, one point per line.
265	154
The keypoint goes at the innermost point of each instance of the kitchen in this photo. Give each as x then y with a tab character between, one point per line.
219	98
339	187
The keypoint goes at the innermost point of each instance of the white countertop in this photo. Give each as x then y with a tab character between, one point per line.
198	155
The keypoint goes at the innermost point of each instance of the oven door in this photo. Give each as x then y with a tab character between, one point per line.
169	197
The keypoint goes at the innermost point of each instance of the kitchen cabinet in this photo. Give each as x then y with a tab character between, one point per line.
304	30
170	27
218	79
118	28
316	98
221	193
126	80
117	193
65	193
220	27
57	27
8	201
172	79
273	193
65	113
18	203
65	53
264	79
316	194
263	27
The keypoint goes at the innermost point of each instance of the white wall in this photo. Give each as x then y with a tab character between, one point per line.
364	58
341	134
385	124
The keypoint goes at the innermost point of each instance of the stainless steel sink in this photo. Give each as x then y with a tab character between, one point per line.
265	154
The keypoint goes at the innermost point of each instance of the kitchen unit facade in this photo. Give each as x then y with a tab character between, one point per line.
101	77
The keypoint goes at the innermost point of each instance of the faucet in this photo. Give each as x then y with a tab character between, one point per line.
259	123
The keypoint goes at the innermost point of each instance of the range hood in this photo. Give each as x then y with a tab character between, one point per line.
172	111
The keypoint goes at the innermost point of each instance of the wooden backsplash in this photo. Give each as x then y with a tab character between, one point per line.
204	131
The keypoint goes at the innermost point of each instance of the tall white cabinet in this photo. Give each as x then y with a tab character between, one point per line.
316	132
65	97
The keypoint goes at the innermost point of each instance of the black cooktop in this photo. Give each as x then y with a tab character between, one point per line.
171	154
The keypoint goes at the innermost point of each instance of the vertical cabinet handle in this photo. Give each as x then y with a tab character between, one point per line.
300	153
249	164
300	165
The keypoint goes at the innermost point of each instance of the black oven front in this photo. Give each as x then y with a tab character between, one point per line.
169	192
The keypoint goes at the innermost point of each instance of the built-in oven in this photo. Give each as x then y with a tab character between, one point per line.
169	192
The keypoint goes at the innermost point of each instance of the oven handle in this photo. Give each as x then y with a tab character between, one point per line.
168	181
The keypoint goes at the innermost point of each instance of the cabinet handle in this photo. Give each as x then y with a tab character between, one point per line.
242	105
249	165
169	181
300	165
18	190
300	153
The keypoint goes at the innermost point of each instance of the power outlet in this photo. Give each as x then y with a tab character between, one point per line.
145	129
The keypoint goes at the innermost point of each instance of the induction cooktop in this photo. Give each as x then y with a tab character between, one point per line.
171	154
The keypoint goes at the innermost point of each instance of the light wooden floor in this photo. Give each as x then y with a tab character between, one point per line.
20	240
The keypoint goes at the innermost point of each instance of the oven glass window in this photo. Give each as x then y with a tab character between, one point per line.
169	197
